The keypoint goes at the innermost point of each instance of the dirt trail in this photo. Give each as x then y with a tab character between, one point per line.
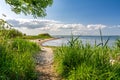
45	66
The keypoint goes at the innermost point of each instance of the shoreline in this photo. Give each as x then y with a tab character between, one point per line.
41	41
45	40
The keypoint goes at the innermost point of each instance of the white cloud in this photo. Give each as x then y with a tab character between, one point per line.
95	26
30	23
35	26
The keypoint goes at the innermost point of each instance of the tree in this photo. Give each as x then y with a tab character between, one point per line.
37	8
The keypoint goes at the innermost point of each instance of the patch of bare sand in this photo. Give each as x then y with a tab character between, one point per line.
45	66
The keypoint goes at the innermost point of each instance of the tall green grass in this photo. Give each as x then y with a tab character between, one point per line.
16	60
118	43
16	54
76	61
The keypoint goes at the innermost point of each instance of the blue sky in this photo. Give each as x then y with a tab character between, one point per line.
71	15
86	11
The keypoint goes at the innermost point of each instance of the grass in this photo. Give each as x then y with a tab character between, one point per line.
76	61
16	60
40	36
17	53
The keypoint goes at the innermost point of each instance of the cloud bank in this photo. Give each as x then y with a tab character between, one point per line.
35	26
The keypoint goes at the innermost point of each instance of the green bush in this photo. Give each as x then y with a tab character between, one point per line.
10	33
13	33
7	32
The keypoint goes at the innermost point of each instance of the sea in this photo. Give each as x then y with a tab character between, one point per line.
64	39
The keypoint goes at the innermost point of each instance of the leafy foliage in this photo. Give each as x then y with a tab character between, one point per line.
30	7
12	33
4	25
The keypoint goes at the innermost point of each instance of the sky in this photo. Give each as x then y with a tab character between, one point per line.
81	17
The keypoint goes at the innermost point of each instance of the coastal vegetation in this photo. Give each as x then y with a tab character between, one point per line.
73	61
16	51
39	36
78	61
16	59
16	55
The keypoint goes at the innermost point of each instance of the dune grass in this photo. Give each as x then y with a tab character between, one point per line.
16	60
76	61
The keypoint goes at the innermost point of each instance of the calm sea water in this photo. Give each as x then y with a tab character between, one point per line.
85	39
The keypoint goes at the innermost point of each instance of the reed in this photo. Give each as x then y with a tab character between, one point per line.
76	61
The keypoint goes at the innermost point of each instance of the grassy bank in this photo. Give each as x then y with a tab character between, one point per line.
16	54
16	60
76	61
39	36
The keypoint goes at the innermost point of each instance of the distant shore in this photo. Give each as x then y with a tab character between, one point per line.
41	41
45	40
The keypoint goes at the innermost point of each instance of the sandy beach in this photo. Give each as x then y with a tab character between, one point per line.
41	41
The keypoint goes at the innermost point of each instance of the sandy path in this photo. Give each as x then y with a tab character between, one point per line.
45	61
